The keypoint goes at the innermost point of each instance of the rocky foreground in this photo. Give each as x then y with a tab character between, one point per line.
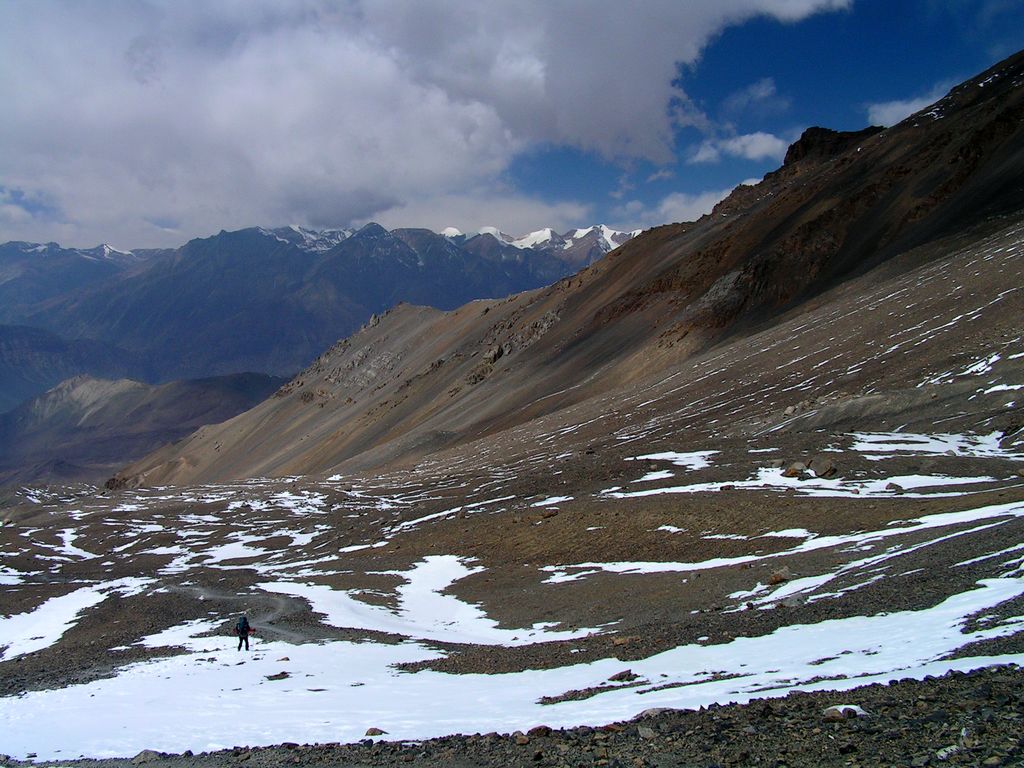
974	718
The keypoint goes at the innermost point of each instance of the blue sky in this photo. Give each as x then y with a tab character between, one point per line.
147	122
874	62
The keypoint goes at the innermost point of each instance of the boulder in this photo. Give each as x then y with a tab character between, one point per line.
652	712
625	640
822	466
624	676
839	712
947	752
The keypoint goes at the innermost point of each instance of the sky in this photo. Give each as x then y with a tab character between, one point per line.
145	123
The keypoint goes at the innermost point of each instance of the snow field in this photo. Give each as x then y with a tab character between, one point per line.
424	611
335	691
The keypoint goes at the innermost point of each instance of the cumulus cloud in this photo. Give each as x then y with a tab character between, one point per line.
749	146
676	207
513	214
888	113
148	122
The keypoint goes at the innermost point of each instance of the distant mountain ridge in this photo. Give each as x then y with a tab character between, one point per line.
599	236
271	299
32	360
31	273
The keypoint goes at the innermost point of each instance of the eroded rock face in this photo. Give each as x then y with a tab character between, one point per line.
817	144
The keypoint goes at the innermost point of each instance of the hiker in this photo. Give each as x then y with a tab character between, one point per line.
243	630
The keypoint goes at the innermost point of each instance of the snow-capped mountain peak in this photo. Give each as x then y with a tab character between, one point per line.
599	236
104	252
495	233
540	237
311	240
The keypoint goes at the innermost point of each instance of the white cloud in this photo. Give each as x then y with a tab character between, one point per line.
761	96
212	115
707	152
11	213
888	113
755	146
748	146
512	214
661	175
676	207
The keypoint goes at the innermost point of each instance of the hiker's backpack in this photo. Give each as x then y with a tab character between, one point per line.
242	628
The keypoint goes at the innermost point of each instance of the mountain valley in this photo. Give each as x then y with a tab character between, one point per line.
664	510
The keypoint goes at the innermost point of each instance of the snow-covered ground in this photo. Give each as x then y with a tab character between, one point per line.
212	696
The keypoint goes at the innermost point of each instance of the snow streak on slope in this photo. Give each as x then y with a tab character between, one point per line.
425	612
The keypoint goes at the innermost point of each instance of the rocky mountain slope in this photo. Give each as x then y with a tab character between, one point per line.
878	203
84	428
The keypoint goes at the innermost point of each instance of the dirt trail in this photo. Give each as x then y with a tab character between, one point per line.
269	610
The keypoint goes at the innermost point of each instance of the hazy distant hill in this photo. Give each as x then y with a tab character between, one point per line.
84	427
32	360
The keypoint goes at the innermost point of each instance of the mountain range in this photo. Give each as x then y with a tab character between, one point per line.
257	299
